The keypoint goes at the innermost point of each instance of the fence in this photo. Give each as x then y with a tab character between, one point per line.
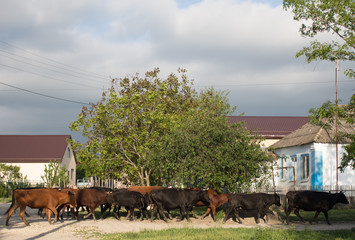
348	190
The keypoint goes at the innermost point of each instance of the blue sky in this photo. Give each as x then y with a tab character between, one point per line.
70	50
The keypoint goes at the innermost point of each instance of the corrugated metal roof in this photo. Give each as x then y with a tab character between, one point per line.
271	126
32	148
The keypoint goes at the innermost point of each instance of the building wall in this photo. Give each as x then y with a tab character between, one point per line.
33	171
322	166
70	164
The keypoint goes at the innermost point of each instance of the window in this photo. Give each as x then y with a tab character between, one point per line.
68	152
283	168
292	169
71	174
305	166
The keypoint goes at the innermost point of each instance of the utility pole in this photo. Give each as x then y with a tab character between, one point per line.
336	121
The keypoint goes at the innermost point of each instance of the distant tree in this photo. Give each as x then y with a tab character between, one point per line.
206	151
128	122
55	175
10	173
334	16
328	114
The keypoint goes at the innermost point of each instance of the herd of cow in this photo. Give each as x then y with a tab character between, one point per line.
159	199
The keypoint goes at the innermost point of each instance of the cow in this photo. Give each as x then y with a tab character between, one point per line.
45	198
130	200
172	198
255	201
216	200
145	191
91	198
312	201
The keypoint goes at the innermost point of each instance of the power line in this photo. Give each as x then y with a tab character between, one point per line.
41	75
34	65
44	95
54	61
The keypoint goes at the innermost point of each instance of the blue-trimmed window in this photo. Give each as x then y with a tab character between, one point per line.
293	160
283	166
304	166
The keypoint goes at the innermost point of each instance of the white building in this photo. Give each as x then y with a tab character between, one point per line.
33	152
308	159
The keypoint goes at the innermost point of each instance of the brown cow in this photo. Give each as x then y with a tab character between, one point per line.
45	198
144	189
92	198
216	200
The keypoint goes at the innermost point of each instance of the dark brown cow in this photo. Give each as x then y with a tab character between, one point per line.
216	200
45	198
91	198
146	190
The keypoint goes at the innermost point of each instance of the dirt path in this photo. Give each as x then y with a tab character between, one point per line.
73	229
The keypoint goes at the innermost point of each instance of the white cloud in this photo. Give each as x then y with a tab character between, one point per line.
224	43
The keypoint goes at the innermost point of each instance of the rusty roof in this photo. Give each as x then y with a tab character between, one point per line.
32	148
271	126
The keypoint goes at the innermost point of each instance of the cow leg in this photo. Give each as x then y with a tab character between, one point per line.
315	216
228	211
11	210
194	214
213	212
288	211
161	212
326	217
236	213
206	213
297	210
22	214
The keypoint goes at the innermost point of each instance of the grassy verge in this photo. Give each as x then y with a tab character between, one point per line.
5	200
232	233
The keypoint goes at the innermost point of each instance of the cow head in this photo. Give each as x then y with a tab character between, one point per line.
340	198
110	199
72	199
204	197
277	200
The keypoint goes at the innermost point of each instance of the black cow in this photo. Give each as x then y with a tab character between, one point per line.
255	201
130	200
312	201
172	198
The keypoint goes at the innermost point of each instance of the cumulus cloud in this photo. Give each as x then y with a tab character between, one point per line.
71	49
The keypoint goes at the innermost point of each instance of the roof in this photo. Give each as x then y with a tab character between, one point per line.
310	133
271	126
32	148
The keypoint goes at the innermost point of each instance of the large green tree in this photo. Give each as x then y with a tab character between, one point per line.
329	114
205	150
128	122
318	16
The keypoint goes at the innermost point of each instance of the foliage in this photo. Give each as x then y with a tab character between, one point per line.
206	151
10	173
55	175
128	122
330	113
334	16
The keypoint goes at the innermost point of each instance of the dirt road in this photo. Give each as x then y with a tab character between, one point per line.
72	229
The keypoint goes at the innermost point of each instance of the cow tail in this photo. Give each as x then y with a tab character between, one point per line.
12	203
285	207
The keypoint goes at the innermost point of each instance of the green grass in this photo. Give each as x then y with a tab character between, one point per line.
5	200
232	233
334	215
